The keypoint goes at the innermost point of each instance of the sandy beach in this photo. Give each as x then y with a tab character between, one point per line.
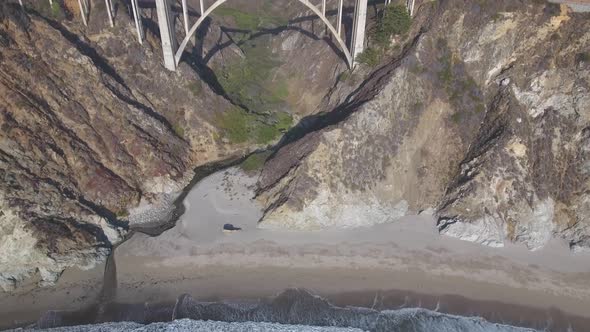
406	259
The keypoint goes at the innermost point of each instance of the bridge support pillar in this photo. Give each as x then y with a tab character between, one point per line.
185	16
410	5
83	11
138	22
109	6
358	32
167	33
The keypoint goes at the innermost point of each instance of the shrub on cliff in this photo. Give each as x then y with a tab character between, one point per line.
369	57
254	162
395	20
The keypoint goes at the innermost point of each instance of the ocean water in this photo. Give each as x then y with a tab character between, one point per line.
292	310
199	326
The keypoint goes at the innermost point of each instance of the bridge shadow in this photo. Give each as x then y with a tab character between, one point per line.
205	73
327	37
253	34
198	61
347	22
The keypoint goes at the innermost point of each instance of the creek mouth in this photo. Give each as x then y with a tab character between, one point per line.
201	172
155	271
365	91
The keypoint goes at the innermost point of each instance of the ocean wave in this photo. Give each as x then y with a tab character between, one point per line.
199	326
299	307
293	307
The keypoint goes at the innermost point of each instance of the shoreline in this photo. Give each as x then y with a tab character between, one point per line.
407	259
497	284
241	283
342	287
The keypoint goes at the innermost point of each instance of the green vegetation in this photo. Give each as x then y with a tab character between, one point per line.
240	126
496	17
195	88
394	21
461	89
242	19
249	21
123	213
417	69
50	10
456	117
249	83
445	74
273	127
255	161
235	123
179	130
56	9
370	56
479	108
279	91
344	76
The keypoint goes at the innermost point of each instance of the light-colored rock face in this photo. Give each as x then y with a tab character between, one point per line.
484	119
528	178
23	255
351	178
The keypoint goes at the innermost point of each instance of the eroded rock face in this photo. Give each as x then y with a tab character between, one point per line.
484	119
90	128
97	135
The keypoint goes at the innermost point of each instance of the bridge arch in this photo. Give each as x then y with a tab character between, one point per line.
316	11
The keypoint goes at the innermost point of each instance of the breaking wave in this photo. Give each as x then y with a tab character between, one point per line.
292	310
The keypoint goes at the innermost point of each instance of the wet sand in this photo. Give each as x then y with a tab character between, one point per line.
402	263
373	288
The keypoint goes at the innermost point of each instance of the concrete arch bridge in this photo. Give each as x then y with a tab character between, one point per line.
173	53
173	50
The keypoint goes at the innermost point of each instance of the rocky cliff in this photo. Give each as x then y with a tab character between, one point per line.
482	120
478	115
87	133
97	135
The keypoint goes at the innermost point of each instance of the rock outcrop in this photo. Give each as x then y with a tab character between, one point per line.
482	119
481	116
97	135
84	140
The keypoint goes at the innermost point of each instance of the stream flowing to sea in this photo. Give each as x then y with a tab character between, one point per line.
197	237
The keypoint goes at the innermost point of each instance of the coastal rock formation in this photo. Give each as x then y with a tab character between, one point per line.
483	119
81	142
479	115
97	135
